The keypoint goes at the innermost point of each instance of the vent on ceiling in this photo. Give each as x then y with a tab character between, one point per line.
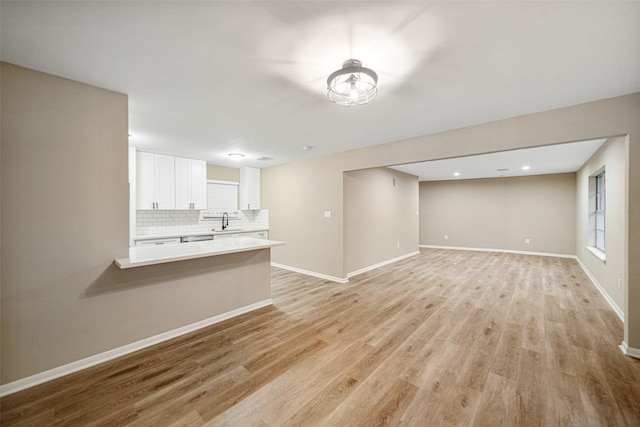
264	158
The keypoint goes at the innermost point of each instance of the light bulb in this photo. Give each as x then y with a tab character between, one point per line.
354	91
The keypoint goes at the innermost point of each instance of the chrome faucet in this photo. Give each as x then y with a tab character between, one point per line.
224	226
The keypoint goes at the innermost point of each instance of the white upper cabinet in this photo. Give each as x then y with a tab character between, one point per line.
249	188
155	185
191	183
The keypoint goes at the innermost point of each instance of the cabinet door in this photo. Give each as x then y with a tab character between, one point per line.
261	235
164	182
145	180
226	236
191	183
249	188
183	183
199	184
156	242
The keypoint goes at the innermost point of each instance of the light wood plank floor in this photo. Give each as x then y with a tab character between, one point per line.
443	338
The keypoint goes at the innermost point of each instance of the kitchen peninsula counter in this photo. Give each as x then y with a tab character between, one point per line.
150	255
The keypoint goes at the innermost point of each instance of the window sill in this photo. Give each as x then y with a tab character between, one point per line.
598	253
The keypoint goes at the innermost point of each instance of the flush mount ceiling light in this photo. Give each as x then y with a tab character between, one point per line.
352	85
236	156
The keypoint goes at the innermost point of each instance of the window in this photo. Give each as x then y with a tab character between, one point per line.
222	196
597	209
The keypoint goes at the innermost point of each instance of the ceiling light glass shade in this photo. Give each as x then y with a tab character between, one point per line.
352	85
236	156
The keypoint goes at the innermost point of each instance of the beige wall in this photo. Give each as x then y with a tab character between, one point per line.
301	190
223	173
380	216
64	216
297	195
500	213
64	211
613	156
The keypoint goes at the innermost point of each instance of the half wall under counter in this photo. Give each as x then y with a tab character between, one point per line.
150	255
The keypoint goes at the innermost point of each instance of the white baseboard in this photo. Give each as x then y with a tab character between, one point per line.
311	273
606	296
630	351
509	251
42	377
380	264
604	293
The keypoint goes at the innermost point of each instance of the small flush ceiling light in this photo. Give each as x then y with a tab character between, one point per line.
525	168
308	147
352	85
456	174
236	156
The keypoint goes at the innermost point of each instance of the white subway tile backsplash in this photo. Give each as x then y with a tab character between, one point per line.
160	222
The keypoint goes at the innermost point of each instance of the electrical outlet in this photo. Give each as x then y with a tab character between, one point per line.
527	241
619	283
327	214
398	245
446	237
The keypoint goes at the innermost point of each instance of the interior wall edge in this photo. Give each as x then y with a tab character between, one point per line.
381	264
311	273
507	251
602	290
87	362
630	351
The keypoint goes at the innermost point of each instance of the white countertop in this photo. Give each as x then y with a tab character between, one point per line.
150	255
199	233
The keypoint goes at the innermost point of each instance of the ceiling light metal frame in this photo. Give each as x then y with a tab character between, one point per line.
353	84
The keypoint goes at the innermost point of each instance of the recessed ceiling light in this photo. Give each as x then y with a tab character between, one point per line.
525	168
456	174
236	156
308	147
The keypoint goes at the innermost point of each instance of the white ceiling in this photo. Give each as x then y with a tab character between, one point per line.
550	159
209	78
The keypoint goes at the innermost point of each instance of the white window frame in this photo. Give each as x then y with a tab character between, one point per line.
597	214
